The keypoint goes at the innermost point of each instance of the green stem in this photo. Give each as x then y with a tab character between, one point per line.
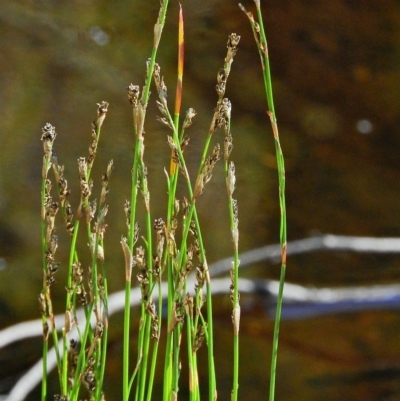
82	357
235	302
167	385
141	338
44	370
147	318
64	378
125	370
138	151
260	37
155	348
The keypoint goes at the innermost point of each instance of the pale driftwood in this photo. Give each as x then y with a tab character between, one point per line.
299	301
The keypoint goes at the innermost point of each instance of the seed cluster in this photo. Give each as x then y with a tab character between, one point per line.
81	368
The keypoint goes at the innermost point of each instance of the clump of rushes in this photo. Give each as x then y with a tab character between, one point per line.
176	260
261	41
80	354
170	248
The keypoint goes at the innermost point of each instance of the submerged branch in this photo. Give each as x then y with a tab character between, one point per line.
299	302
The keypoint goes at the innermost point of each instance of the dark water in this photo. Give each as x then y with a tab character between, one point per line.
336	78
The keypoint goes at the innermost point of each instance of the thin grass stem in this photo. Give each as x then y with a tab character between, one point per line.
139	114
148	286
234	222
260	38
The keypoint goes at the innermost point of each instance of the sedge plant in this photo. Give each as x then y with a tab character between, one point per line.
167	249
261	42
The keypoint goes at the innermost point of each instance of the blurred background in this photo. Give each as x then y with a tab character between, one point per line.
336	75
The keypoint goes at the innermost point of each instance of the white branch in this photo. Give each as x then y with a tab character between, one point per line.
299	301
327	242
